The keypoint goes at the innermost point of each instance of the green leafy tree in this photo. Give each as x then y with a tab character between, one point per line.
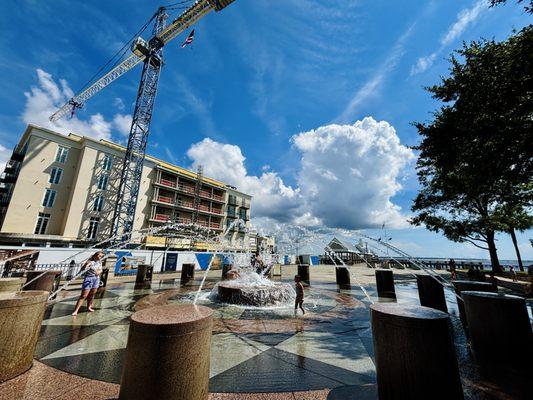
512	219
476	155
529	8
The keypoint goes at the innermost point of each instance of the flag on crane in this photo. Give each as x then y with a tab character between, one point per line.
189	40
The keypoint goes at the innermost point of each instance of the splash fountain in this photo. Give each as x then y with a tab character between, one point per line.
252	289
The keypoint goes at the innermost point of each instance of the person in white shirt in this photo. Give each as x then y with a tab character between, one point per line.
91	281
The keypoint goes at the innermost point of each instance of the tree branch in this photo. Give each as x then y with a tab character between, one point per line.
475	244
478	239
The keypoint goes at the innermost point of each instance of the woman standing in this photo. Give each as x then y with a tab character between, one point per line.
91	282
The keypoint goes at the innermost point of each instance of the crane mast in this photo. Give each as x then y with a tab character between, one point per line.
130	179
128	192
151	54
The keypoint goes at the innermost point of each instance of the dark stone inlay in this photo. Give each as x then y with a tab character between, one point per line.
59	310
102	366
359	392
279	371
268	339
56	337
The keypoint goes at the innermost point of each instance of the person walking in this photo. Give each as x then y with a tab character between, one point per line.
91	281
453	269
513	273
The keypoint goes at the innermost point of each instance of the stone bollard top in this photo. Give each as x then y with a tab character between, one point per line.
171	320
461	283
20	299
491	295
402	314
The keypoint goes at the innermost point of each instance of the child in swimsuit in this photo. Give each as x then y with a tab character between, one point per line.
299	295
91	282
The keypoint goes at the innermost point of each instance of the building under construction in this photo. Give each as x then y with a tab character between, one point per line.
61	191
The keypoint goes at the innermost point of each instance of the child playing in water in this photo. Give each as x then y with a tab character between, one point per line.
91	282
299	295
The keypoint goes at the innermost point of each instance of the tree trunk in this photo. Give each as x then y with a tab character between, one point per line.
496	268
515	243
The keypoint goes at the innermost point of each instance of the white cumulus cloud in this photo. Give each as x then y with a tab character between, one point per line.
366	160
272	198
5	153
122	123
346	178
45	98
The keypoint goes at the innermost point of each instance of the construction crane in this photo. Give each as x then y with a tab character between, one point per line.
150	53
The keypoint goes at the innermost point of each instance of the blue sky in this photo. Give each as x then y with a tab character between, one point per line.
276	86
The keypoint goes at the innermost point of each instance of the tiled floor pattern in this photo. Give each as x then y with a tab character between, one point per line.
253	350
256	353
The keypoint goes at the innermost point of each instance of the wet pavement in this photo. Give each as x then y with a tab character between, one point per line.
253	349
328	351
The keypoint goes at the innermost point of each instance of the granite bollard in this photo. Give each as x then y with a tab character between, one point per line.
187	273
10	284
461	286
431	293
342	276
414	351
41	280
21	314
385	283
144	274
168	353
303	271
225	269
104	276
493	316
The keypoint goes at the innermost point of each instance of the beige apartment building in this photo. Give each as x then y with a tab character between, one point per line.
61	191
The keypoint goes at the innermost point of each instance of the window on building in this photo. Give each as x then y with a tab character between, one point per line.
108	163
231	211
62	154
242	214
42	223
102	181
93	227
49	198
55	175
98	203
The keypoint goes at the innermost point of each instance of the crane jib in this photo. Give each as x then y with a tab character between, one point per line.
220	4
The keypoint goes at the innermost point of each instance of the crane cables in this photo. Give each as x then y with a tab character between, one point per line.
178	5
118	56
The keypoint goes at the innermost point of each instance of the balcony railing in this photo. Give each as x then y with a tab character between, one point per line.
162	217
213	225
185	204
190	189
209	195
186	188
164	199
166	182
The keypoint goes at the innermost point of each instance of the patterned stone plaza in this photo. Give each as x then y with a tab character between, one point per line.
326	354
